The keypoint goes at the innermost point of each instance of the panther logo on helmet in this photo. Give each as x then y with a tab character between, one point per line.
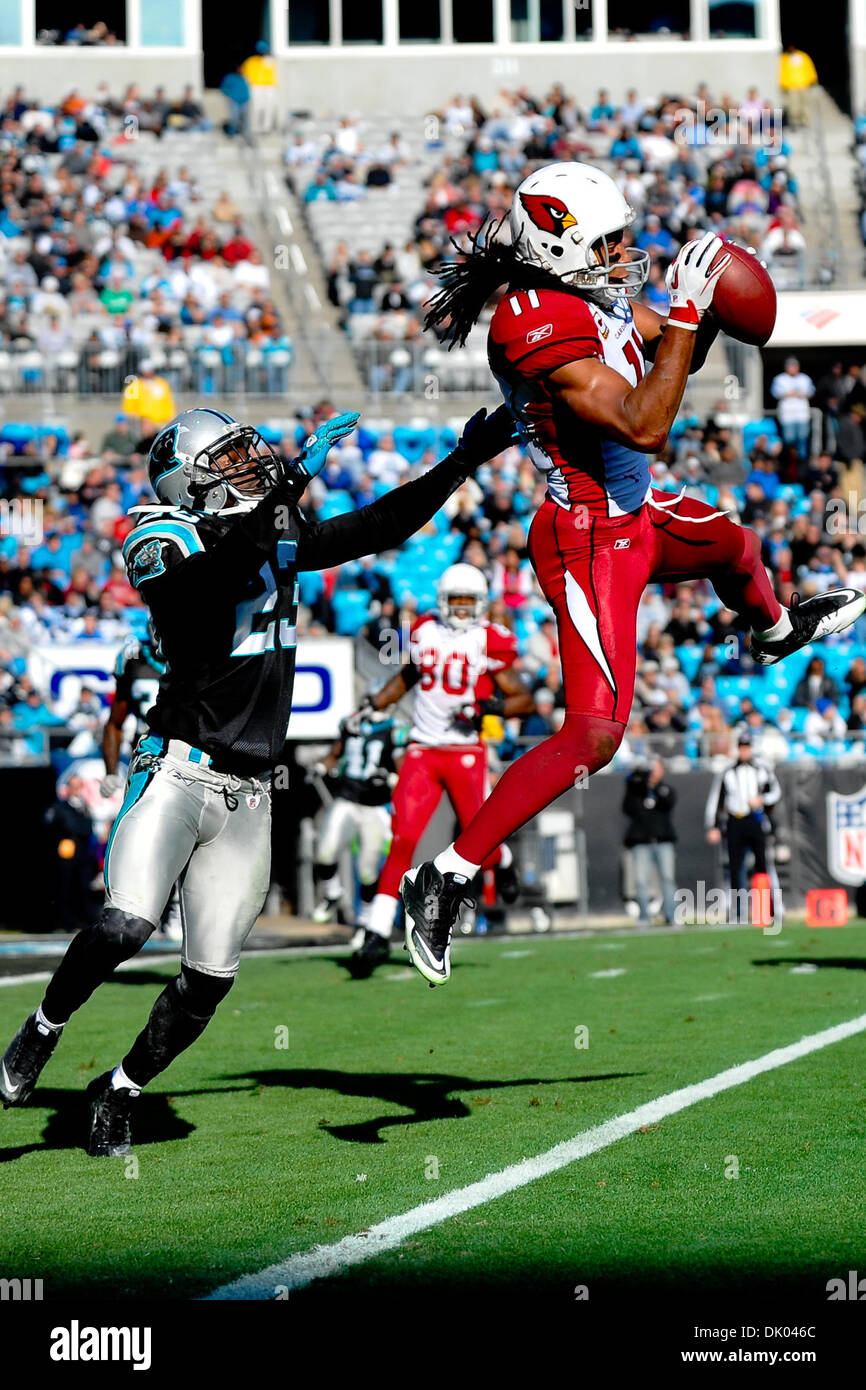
550	214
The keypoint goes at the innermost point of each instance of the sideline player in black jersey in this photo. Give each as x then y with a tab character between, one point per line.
361	773
137	673
216	560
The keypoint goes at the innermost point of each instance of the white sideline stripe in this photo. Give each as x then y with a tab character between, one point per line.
324	1260
37	976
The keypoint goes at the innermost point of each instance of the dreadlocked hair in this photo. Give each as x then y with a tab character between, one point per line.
468	283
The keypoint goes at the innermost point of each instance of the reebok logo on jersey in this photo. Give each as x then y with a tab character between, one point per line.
539	334
622	544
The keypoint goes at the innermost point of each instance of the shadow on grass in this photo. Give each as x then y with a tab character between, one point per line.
154	1121
399	959
427	1095
825	963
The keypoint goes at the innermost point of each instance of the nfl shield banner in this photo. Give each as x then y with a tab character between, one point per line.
846	836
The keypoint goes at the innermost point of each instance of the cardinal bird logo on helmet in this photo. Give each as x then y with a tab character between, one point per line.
550	214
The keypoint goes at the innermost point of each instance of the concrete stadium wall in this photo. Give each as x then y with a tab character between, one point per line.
414	82
50	74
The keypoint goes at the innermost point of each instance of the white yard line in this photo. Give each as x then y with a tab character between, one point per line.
142	962
41	976
325	1260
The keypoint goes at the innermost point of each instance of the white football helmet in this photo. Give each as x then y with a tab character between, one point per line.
560	220
461	595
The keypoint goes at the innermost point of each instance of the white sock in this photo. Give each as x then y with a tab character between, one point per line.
119	1079
41	1019
507	858
363	916
778	630
383	910
332	888
450	862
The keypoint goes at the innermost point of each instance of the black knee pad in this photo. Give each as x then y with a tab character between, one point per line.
200	994
123	930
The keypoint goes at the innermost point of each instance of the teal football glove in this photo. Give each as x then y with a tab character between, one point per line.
315	451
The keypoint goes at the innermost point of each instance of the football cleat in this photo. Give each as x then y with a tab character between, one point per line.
811	619
373	950
433	901
24	1059
110	1130
507	883
326	910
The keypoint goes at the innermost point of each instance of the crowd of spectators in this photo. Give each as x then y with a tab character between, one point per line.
696	680
686	164
80	35
106	269
89	246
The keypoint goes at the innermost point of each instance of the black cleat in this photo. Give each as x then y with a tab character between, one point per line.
507	883
110	1132
24	1059
374	950
433	901
811	619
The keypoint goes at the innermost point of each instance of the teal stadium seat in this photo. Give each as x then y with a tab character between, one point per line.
414	443
337	503
351	607
755	428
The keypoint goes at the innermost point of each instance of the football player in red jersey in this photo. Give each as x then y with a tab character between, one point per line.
462	668
568	348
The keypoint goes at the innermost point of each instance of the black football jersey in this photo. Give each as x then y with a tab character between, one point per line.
137	674
367	762
223	595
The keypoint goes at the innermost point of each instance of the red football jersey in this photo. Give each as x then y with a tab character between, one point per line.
534	332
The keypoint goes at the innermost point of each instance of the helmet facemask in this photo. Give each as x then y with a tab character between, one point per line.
461	611
240	464
612	280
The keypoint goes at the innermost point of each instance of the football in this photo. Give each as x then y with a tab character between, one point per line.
745	297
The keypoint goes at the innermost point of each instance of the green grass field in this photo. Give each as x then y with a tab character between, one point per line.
390	1094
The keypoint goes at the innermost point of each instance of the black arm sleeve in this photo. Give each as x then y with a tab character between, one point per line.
707	331
383	525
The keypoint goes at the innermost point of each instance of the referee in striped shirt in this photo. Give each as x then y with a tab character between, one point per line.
740	796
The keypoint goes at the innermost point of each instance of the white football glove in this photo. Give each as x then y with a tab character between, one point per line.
691	283
111	783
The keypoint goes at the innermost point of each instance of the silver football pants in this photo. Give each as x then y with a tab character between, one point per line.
341	822
212	831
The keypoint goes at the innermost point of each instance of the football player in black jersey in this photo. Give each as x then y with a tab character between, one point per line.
137	673
359	774
216	560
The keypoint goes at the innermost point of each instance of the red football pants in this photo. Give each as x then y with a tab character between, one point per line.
424	775
593	571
